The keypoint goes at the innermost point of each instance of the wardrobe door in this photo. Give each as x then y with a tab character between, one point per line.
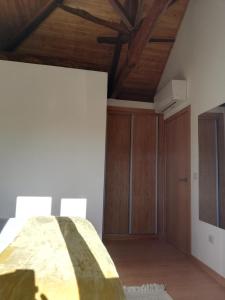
143	174
117	173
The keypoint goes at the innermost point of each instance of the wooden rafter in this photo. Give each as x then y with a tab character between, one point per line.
115	63
139	41
162	40
172	2
118	47
112	40
125	38
139	12
132	11
122	13
13	42
89	17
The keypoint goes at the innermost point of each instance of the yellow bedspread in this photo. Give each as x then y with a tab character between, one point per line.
58	258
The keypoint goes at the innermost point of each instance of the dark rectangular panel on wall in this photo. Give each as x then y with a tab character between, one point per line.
212	168
221	158
143	174
116	217
208	171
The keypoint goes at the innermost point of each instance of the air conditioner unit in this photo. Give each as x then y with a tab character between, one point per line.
172	95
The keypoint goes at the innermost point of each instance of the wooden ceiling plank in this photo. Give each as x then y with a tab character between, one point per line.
81	50
89	17
140	40
13	42
122	13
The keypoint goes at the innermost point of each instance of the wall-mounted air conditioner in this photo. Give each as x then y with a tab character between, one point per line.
172	95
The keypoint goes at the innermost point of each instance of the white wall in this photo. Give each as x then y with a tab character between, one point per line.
52	136
199	56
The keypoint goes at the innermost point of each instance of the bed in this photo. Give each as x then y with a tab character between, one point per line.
57	258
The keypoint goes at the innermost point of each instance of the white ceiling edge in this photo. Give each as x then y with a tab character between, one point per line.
130	104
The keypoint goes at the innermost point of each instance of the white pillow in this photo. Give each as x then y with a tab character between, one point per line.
10	231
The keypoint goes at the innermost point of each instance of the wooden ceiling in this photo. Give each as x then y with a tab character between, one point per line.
129	39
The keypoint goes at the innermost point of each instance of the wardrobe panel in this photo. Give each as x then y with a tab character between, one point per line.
171	180
161	177
117	186
143	174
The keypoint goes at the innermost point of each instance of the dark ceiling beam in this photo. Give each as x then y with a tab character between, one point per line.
139	12
125	38
132	9
13	42
162	40
118	46
122	13
139	41
87	16
112	40
172	2
114	66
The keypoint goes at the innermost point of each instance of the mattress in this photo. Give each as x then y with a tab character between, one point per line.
58	258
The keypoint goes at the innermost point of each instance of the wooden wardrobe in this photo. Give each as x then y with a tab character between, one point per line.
130	183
